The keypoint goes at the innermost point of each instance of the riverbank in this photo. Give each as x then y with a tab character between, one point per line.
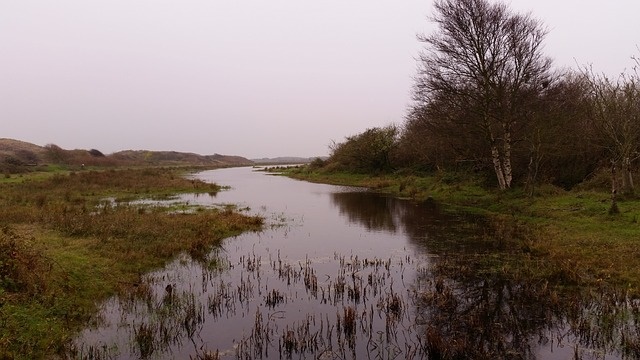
70	240
564	237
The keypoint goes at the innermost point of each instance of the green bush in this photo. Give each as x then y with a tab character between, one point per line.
368	152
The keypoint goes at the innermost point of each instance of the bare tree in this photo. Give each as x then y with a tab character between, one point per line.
487	63
615	116
436	135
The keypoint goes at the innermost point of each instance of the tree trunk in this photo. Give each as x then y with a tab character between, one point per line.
532	173
506	160
614	190
497	166
627	176
502	162
529	184
535	158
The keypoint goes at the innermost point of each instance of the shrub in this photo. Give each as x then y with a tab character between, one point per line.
96	153
317	163
368	152
21	264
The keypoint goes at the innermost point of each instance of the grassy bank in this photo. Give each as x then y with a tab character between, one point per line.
69	240
566	237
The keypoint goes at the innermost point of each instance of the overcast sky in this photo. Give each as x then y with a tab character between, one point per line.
256	78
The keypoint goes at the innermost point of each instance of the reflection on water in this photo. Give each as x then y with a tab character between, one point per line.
372	212
351	275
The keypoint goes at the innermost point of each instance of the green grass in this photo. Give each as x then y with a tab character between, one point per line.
41	173
564	236
61	253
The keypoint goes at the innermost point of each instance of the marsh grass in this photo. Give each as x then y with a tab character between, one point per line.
373	322
63	248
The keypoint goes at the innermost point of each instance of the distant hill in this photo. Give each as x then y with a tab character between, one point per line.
16	146
16	153
178	158
286	160
19	156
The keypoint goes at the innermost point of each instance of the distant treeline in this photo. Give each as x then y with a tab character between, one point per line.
486	99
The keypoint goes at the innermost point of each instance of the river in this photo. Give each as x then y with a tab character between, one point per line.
340	272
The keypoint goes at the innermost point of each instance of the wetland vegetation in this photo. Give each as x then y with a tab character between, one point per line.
71	239
343	273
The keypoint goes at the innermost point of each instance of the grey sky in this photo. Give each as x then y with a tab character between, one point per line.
243	77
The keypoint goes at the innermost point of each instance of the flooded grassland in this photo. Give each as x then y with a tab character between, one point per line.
339	272
70	241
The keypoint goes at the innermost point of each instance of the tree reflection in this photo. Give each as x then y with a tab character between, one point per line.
424	223
467	311
464	314
373	212
487	319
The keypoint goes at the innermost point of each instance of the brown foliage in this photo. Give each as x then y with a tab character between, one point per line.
22	265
